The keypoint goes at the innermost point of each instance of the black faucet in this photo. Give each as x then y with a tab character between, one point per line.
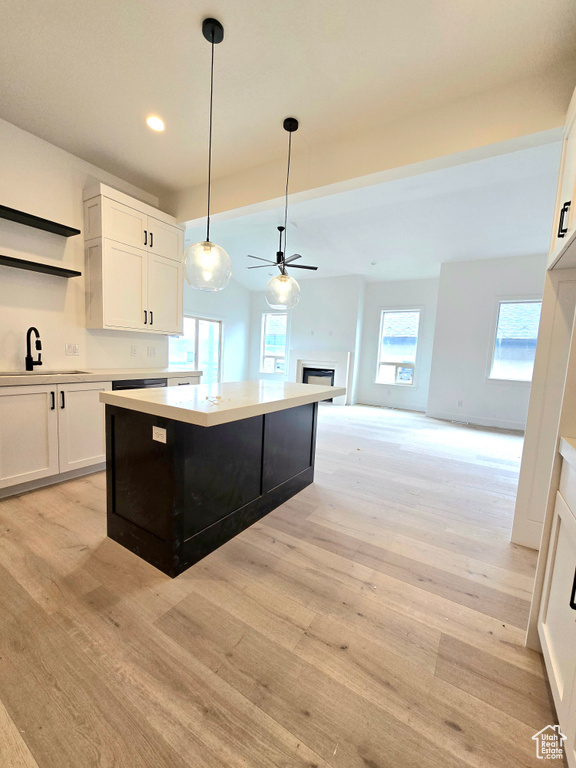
30	362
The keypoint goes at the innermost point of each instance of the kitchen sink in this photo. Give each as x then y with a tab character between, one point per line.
40	373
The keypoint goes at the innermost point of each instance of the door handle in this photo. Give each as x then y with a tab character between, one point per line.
62	400
561	228
145	237
145	317
151	317
573	594
151	239
52	401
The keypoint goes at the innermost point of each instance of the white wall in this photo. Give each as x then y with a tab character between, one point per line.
467	304
325	319
37	177
232	307
407	294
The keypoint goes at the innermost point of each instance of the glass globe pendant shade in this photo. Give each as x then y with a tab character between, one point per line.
282	292
207	266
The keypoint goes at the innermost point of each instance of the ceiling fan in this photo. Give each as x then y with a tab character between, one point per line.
281	260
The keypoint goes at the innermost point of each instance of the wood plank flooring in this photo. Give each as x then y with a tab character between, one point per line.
376	620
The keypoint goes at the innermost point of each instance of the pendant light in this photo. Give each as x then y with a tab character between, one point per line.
207	265
282	291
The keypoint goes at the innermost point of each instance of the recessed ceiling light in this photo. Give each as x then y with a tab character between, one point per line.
155	123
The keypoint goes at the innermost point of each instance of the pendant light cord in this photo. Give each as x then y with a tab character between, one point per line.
210	141
286	204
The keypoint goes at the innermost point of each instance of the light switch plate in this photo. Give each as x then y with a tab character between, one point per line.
159	434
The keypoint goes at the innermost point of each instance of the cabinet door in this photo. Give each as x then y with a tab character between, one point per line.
165	239
557	626
124	286
565	213
81	434
165	294
124	224
28	434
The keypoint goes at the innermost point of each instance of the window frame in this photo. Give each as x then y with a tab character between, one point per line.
275	357
498	300
415	365
194	367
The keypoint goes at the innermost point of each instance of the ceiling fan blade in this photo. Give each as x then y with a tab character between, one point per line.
292	258
259	259
259	266
301	266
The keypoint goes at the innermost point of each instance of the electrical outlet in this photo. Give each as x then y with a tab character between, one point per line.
151	351
72	349
133	350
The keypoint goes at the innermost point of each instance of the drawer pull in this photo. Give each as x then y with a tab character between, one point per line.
562	229
573	594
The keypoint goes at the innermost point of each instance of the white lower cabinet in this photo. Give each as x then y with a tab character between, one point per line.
81	429
49	429
28	434
557	624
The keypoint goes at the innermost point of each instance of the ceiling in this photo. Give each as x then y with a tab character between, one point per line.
84	76
405	229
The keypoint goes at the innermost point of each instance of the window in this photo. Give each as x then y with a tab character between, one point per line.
198	347
273	346
397	347
515	341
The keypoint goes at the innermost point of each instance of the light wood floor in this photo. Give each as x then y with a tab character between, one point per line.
377	619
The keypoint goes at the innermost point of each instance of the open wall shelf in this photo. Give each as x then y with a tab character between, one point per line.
35	221
36	266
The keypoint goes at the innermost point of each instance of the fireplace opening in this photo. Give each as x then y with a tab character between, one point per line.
321	376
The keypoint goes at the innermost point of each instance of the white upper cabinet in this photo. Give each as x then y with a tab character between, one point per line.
124	224
564	225
164	294
134	271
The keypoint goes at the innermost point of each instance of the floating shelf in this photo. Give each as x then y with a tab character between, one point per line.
36	266
35	221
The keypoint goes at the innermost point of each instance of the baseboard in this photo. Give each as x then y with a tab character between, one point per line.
403	407
33	485
479	421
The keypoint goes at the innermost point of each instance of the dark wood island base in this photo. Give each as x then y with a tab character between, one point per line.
174	502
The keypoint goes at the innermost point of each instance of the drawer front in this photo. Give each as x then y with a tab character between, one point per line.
178	382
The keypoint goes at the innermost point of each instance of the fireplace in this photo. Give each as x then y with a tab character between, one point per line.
322	376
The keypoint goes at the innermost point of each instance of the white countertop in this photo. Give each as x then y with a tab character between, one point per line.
79	376
568	449
211	404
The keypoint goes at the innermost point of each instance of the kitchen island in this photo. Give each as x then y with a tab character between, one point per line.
187	468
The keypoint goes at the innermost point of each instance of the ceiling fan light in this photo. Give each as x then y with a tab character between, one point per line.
282	292
207	266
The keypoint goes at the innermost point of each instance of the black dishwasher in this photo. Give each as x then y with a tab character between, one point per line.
138	384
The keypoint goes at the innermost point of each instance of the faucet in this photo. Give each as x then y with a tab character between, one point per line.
30	362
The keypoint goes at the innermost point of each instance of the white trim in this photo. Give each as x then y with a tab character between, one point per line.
276	357
209	319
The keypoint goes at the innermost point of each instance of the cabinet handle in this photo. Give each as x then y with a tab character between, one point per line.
62	400
573	594
145	237
561	228
145	317
183	383
151	239
52	401
151	317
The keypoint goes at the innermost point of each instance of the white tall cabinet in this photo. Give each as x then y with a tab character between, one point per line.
134	270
